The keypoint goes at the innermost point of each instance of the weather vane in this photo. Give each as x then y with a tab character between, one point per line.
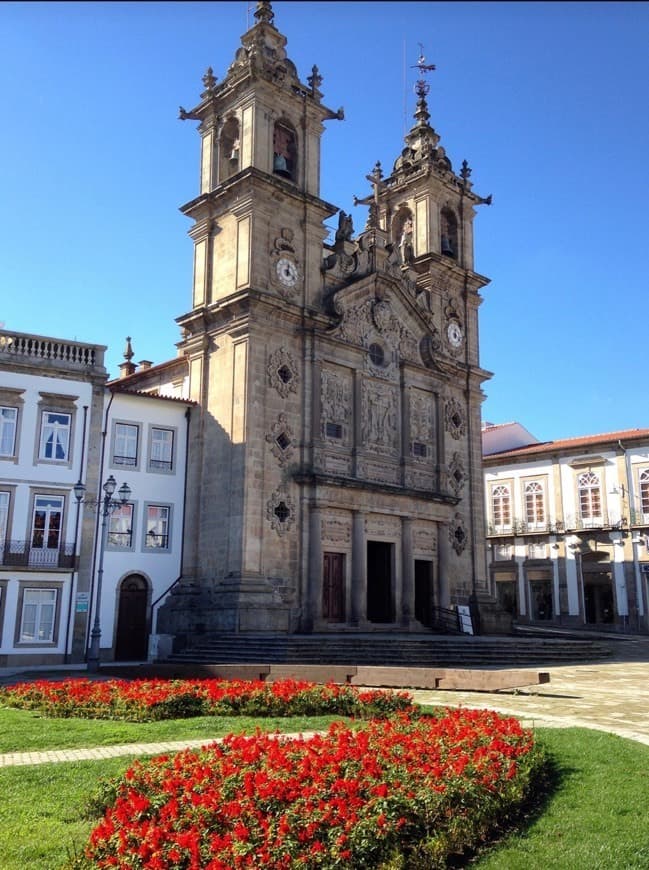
422	87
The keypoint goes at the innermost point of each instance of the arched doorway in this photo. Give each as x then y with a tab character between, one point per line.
132	639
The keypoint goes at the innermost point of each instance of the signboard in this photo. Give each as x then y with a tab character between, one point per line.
464	618
82	602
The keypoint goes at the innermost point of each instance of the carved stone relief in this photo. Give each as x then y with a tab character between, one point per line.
337	528
456	474
455	419
280	439
458	534
380	472
336	406
379	430
383	525
416	479
280	511
421	424
424	538
283	372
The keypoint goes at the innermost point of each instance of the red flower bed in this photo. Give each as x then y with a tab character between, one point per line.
401	792
145	700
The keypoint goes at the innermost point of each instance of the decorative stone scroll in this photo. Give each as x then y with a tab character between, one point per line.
280	511
455	419
283	372
280	439
458	534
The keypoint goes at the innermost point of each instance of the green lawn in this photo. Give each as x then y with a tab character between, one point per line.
24	730
597	817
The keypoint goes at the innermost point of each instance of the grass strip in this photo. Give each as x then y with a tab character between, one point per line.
27	731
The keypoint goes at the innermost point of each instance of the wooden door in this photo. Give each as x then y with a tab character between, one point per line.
333	587
132	636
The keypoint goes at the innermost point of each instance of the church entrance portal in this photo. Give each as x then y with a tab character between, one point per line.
380	606
132	636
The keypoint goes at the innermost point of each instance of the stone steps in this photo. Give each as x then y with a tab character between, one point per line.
389	650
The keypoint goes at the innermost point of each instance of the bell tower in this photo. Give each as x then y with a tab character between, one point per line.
260	135
258	231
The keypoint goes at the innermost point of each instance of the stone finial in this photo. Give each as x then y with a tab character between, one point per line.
264	12
209	81
127	368
315	79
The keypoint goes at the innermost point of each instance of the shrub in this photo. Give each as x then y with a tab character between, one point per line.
401	792
147	700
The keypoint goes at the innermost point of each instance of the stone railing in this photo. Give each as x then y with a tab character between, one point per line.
42	349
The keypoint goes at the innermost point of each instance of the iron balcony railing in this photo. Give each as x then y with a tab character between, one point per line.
21	554
559	527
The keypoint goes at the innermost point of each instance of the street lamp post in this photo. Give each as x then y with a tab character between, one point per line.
106	506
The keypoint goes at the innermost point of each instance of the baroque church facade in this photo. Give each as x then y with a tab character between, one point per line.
334	476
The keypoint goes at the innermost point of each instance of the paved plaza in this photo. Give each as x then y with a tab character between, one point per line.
608	696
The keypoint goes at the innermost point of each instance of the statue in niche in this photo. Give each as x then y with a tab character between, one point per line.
406	249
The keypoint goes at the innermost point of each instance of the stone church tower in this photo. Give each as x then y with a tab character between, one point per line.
334	477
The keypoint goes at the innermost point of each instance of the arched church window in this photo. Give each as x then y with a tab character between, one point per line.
402	234
284	151
448	232
229	149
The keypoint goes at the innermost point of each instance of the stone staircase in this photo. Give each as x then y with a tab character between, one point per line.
395	650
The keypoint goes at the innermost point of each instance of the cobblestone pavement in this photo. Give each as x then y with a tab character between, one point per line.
608	696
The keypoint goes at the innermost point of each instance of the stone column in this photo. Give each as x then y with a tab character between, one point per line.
359	569
443	555
407	573
313	591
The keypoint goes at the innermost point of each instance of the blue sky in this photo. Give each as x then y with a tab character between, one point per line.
546	101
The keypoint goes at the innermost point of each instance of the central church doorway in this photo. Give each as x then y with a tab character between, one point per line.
380	603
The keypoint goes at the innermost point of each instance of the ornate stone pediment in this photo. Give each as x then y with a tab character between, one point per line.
403	331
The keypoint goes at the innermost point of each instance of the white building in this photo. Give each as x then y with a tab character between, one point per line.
567	530
60	424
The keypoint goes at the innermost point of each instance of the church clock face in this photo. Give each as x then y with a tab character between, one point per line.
455	333
287	272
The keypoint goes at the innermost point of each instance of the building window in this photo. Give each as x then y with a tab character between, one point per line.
120	530
37	621
501	506
157	527
161	449
590	497
419	449
284	151
8	421
377	354
534	504
448	233
126	444
55	436
644	491
4	521
502	552
46	529
333	430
